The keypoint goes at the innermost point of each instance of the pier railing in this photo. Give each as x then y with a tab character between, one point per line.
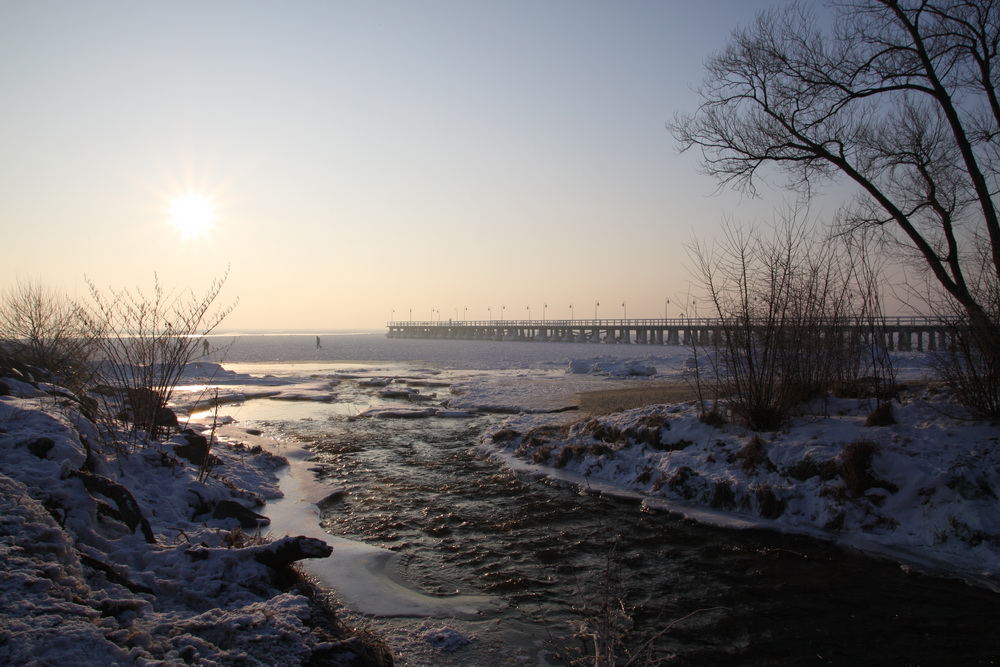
895	321
897	332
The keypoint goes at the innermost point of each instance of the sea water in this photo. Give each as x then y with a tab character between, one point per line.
372	349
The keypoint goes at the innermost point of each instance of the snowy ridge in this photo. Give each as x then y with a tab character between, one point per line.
926	496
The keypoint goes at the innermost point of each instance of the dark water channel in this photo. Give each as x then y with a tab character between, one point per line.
710	596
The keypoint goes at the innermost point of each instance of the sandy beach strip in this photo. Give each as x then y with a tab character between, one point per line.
630	395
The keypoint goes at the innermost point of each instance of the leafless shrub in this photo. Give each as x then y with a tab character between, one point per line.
712	417
873	376
542	454
239	539
605	621
600	431
41	327
686	482
784	305
145	341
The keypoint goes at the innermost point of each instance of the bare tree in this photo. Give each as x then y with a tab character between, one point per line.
899	98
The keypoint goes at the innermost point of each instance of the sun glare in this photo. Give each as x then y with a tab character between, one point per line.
192	214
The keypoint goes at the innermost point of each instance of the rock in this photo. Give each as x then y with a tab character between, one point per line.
166	418
22	389
375	382
197	449
142	400
40	447
128	508
275	554
230	509
288	550
333	497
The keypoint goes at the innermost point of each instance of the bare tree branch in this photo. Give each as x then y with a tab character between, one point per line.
900	98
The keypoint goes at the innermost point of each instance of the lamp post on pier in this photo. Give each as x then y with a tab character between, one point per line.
596	304
571	316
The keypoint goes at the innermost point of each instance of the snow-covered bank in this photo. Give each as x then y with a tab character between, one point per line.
132	556
923	491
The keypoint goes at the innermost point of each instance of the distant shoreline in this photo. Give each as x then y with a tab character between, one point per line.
294	332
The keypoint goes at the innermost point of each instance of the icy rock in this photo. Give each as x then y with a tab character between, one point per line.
446	639
398	413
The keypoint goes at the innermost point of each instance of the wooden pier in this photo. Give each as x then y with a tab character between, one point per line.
895	333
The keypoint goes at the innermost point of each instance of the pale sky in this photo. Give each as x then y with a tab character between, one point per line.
366	160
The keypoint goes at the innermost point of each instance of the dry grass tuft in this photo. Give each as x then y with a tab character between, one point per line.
881	416
856	466
768	503
754	455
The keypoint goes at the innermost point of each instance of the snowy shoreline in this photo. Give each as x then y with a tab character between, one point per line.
926	498
140	555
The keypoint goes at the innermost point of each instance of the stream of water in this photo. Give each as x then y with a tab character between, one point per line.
558	561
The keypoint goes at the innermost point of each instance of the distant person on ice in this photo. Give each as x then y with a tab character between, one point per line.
317	343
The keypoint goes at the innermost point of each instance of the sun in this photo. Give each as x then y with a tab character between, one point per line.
192	214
